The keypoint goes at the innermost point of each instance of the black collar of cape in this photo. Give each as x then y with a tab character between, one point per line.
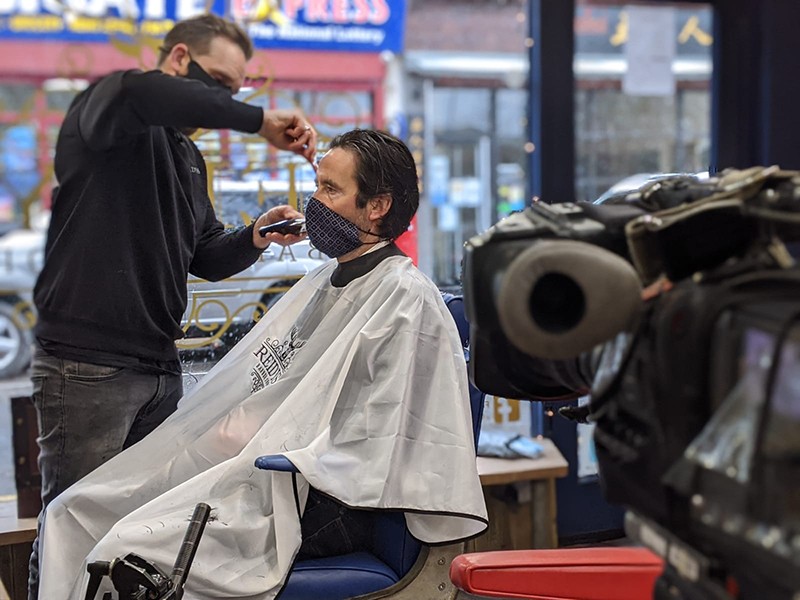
346	272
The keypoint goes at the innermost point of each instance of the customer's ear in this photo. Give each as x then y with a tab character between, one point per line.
379	206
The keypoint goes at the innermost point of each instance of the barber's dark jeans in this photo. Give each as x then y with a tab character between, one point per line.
87	414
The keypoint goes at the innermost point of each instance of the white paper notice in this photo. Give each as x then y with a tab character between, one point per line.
650	51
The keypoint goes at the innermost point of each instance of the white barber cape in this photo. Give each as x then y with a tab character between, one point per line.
363	388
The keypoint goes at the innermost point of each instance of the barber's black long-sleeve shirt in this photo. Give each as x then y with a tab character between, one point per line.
131	218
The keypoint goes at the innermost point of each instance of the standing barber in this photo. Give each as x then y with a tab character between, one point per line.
131	218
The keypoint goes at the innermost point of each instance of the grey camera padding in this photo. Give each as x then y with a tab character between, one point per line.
610	286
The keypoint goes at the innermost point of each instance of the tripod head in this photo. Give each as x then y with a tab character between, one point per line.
136	578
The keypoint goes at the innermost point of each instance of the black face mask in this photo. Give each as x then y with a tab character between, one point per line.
198	73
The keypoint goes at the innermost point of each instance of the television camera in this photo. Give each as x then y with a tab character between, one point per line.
677	306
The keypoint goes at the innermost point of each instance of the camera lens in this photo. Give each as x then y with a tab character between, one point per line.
558	298
556	303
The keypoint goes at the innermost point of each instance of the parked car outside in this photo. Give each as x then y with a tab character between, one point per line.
634	183
21	258
217	314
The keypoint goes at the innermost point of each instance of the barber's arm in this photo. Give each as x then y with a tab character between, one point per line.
126	103
222	253
289	130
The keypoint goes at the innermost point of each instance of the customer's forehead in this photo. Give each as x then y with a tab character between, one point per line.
338	164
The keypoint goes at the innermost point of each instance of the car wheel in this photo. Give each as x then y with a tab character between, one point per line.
16	335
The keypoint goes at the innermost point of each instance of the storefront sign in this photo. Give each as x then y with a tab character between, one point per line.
352	25
605	30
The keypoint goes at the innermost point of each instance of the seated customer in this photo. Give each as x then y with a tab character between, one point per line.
357	376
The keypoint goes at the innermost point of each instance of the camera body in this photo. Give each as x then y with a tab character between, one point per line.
696	395
698	429
498	366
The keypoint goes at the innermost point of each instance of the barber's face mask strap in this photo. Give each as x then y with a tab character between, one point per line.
330	232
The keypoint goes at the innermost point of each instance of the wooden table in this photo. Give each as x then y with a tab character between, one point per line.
16	536
520	497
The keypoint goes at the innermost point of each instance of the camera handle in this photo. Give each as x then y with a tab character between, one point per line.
135	578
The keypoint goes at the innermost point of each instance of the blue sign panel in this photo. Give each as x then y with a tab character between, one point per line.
353	25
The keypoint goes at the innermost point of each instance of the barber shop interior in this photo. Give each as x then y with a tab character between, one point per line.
399	300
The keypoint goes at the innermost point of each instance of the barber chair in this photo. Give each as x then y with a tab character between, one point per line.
399	566
604	573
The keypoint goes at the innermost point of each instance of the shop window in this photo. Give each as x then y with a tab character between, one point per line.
19	175
462	108
628	121
61	92
337	112
332	112
17	97
477	172
511	114
511	125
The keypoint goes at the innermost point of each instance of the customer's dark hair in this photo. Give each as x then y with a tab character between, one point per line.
384	165
198	32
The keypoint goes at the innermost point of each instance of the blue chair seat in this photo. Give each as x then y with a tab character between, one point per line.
344	576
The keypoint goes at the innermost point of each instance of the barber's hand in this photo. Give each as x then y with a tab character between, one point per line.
273	215
660	286
290	130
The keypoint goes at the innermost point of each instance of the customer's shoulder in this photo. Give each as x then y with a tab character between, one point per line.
401	275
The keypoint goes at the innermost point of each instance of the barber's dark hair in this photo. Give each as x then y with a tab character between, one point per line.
198	32
384	165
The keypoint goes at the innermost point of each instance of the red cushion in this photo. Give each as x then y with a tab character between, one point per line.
608	573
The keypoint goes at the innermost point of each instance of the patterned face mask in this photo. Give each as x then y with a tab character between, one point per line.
330	232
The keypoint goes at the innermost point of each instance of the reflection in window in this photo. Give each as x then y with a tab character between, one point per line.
727	443
780	446
782	433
